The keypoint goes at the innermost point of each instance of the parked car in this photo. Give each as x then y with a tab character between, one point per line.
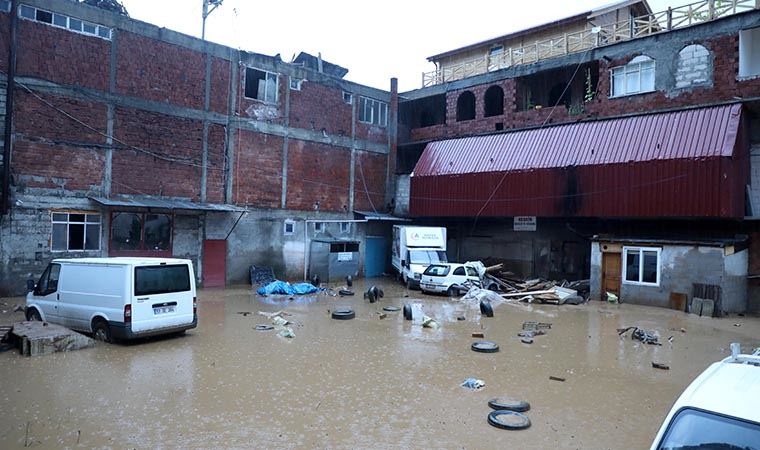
116	298
719	409
453	278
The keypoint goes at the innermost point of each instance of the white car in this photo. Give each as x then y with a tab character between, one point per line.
450	278
719	410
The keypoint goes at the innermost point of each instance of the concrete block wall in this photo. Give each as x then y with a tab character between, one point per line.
694	67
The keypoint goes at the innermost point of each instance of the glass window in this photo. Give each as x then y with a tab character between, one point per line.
158	229
319	227
459	271
635	77
426	257
27	12
348	98
472	272
345	227
289	227
75	24
151	280
89	28
61	21
104	32
373	111
295	84
5	5
71	232
642	265
261	85
693	429
55	274
44	16
126	231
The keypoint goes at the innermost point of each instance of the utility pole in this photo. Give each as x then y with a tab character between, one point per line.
206	12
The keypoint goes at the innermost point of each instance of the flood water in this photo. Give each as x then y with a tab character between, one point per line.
367	382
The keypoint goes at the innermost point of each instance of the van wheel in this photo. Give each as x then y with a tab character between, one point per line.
101	331
33	315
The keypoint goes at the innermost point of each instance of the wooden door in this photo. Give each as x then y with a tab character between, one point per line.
612	272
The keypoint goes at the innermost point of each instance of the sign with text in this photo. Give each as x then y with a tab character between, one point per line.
345	256
525	223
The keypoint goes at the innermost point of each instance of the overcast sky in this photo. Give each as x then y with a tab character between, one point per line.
373	40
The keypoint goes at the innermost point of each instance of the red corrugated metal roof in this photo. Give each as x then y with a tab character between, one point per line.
697	133
682	164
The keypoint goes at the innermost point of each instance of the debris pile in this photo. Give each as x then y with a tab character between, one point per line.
647	337
537	290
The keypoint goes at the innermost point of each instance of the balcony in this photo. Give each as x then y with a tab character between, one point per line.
561	45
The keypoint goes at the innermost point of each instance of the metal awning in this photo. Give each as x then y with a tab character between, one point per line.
155	203
369	215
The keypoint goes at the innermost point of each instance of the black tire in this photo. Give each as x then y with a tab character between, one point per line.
452	291
408	312
33	315
508	404
518	421
485	308
343	314
349	281
345	292
315	280
101	331
380	293
485	347
493	287
263	327
391	308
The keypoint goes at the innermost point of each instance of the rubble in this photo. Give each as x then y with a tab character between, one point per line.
647	337
538	290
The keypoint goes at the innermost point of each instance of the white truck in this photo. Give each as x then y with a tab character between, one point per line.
414	249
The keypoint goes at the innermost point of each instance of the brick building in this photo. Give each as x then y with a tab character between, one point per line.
589	136
129	139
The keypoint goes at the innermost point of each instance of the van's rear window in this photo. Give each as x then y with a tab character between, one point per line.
151	280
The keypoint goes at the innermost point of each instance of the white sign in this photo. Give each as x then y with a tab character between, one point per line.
344	256
525	223
425	237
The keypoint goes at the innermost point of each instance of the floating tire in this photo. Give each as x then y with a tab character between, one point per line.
485	347
408	312
485	308
349	281
391	308
345	292
508	404
508	420
263	328
343	314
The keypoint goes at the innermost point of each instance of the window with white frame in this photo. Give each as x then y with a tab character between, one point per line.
373	111
261	85
75	231
749	53
345	227
319	227
633	78
289	227
641	265
5	5
63	21
348	97
295	84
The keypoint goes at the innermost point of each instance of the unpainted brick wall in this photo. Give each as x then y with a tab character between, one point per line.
257	180
317	176
370	172
334	116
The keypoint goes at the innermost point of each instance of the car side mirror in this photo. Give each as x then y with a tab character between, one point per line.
30	285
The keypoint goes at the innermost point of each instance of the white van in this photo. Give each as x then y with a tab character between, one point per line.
116	298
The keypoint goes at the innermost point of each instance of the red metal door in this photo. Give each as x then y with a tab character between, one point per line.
214	263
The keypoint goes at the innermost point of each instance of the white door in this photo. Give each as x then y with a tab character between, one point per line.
46	294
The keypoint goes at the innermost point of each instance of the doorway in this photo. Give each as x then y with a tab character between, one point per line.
214	263
611	274
375	254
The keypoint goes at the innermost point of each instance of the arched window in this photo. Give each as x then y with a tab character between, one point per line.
694	67
466	106
494	102
633	78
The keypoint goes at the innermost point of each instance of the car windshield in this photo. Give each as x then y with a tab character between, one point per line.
693	429
437	271
426	257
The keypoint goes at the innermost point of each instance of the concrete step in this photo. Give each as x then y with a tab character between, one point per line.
43	338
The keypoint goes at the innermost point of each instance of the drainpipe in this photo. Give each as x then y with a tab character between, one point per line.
306	249
8	134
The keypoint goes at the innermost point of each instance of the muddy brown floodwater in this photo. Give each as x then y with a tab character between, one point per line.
367	382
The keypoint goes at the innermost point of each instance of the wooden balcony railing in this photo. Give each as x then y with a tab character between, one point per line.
636	27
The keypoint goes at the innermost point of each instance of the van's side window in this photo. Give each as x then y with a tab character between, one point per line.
49	280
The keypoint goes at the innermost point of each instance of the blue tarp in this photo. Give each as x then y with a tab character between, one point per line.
278	287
